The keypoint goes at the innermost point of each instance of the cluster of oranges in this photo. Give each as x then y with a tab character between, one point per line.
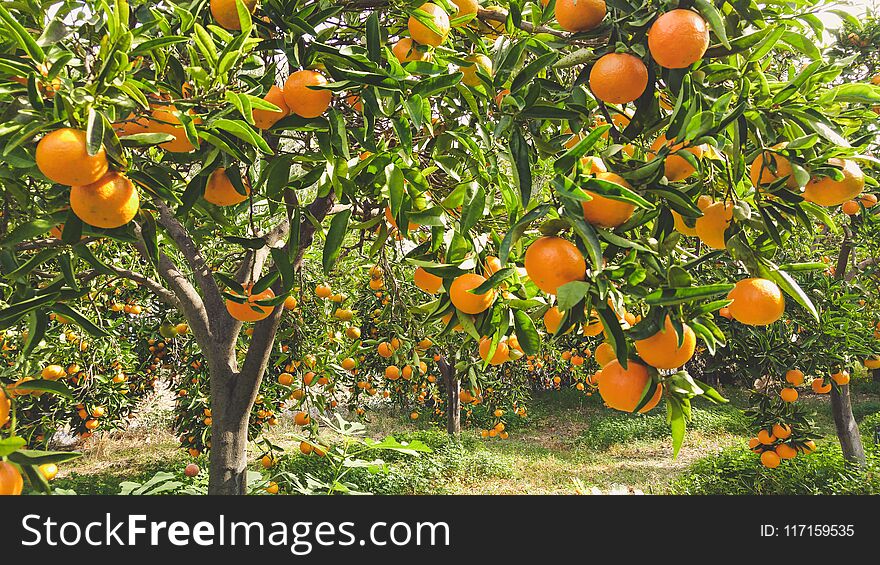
774	445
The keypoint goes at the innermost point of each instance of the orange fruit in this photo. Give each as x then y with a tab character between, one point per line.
53	372
785	451
593	165
850	207
220	191
493	265
250	311
446	319
827	192
841	377
304	101
290	304
789	394
868	200
285	379
607	212
323	291
225	12
782	431
819	387
166	119
11	482
770	459
809	446
265	119
406	50
676	168
580	15
552	262
468	302
605	354
762	172
680	225
4	408
594	325
766	437
552	319
756	302
420	32
62	156
301	419
348	364
465	8
678	39
392	372
621	388
109	202
870	363
48	470
710	227
662	350
618	78
500	355
794	377
753	444
385	350
426	281
477	61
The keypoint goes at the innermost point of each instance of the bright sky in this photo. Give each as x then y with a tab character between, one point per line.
855	7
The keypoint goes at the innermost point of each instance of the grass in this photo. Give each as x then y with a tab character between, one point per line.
570	442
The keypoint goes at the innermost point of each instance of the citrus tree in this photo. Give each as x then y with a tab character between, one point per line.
536	157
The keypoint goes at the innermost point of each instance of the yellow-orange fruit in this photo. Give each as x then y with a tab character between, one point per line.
304	101
225	12
756	302
500	355
250	311
618	78
220	191
422	34
426	281
678	39
109	202
621	388
827	192
662	350
62	156
580	15
265	119
552	262
607	212
710	227
466	301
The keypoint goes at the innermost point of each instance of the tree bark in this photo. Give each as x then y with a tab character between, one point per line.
875	375
453	402
227	458
841	406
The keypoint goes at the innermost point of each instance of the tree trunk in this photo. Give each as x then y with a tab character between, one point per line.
875	374
841	406
847	430
228	454
453	402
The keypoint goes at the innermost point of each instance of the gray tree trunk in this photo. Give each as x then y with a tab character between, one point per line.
453	402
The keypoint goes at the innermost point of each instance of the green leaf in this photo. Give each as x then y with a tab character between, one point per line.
11	444
80	320
530	71
22	36
564	164
526	334
335	237
714	18
792	288
519	151
94	131
670	296
517	230
570	294
677	424
43	385
33	457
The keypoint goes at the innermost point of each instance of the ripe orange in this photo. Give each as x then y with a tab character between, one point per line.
406	50
621	388
225	12
501	351
841	377
809	446
678	39
392	372
290	304
662	350
870	363
109	202
868	200
250	311
782	431
62	156
753	444
4	408
11	482
819	387
384	350
285	379
468	302
594	325
304	101
552	262
426	281
348	363
785	451
552	319
420	32
580	15
794	377
605	354
827	192
766	437
675	167
710	227
465	8
593	165
166	119
618	78
323	291
53	372
301	419
265	119
680	225
477	61
493	265
220	191
770	459
850	207
756	302
607	212
789	394
761	172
